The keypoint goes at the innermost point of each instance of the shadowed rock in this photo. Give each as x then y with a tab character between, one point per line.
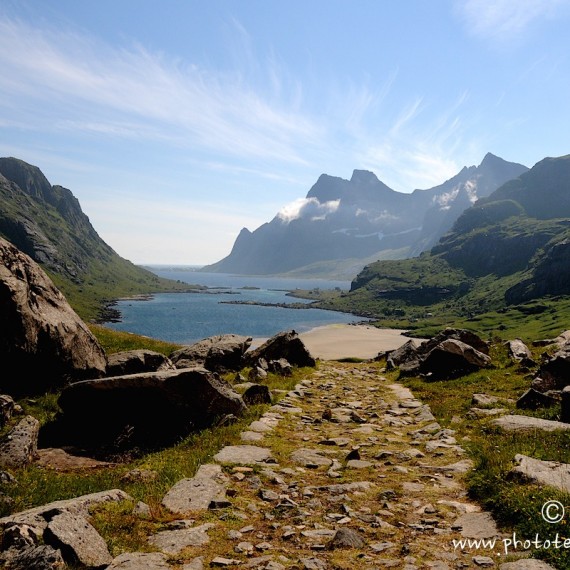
154	408
20	446
287	345
137	361
452	358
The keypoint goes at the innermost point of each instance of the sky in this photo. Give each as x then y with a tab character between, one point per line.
176	123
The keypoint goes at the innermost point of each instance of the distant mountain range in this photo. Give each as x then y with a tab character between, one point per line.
46	222
342	225
511	247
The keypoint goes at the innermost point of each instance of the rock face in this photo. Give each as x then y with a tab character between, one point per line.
41	337
146	409
285	345
220	353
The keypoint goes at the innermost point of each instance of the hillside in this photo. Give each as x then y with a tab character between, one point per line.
46	222
342	224
510	249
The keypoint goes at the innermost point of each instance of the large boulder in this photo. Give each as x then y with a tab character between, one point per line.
463	335
137	361
144	409
287	345
452	358
42	340
220	353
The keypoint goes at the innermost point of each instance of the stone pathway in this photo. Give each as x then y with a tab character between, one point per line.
347	471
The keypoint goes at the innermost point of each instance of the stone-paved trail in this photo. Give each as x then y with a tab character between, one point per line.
348	470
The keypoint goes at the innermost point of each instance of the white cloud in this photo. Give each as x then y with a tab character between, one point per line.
132	92
504	20
307	207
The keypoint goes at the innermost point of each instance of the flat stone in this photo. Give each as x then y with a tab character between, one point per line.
140	561
476	525
483	561
260	426
550	473
462	466
196	494
175	541
79	536
60	460
346	538
310	457
358	464
243	455
251	436
526	564
221	561
526	423
195	564
313	564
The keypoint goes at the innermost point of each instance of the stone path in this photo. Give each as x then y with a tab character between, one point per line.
347	471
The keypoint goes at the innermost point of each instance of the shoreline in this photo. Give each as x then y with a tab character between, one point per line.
338	341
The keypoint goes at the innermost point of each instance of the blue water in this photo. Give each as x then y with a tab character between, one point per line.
185	318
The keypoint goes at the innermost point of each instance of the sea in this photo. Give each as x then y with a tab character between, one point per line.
185	318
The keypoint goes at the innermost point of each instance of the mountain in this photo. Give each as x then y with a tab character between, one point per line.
345	223
46	222
510	247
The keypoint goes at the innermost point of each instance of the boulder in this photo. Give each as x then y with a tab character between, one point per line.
257	394
151	409
520	352
452	358
287	345
405	354
463	335
554	374
41	336
20	446
137	361
533	400
220	353
280	366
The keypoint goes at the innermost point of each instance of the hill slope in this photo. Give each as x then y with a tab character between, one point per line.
343	221
46	222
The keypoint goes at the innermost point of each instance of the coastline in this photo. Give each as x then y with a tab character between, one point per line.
337	341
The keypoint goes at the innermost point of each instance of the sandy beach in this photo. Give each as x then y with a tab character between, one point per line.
333	342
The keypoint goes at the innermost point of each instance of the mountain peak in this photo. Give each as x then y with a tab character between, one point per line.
364	177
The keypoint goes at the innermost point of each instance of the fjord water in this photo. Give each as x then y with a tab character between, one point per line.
185	318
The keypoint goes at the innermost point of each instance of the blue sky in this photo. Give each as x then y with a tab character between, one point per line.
178	122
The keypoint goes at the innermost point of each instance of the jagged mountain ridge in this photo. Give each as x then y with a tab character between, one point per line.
508	248
362	217
47	223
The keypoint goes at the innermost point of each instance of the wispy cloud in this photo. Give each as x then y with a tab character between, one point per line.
504	20
68	77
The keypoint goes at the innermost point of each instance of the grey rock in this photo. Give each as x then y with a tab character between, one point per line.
222	561
142	509
244	455
137	361
518	350
313	564
483	561
43	557
280	366
220	353
550	473
526	423
41	335
476	525
20	446
526	564
174	541
77	535
346	538
195	564
310	457
36	517
451	358
197	493
565	406
140	561
287	345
